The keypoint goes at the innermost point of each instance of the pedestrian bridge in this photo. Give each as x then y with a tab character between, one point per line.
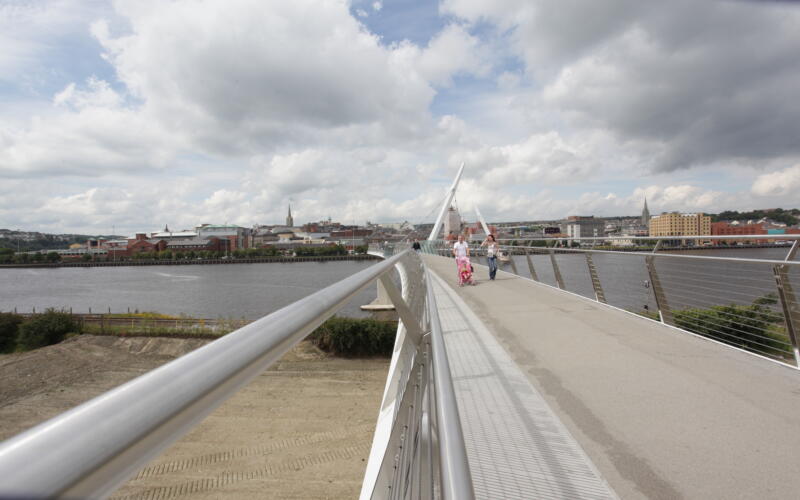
566	377
564	397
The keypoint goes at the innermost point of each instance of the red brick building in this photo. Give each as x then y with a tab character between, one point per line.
724	228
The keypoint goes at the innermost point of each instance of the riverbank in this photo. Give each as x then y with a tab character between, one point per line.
301	429
191	262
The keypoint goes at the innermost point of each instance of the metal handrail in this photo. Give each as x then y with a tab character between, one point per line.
418	448
663	238
628	253
649	254
454	467
90	450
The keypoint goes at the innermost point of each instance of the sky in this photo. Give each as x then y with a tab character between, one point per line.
125	116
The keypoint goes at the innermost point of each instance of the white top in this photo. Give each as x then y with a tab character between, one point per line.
460	248
491	249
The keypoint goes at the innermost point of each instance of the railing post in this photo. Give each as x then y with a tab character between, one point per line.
791	315
598	288
661	298
511	261
556	272
530	266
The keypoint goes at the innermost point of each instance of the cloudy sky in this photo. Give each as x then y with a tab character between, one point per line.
133	114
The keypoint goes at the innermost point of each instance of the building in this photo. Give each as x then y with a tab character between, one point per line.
727	229
237	237
678	224
289	218
166	234
645	215
350	233
141	244
198	244
577	226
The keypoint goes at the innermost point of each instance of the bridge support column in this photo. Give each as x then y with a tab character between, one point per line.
599	295
382	307
530	266
556	271
661	299
790	307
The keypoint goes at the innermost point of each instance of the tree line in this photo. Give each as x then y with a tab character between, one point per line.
788	217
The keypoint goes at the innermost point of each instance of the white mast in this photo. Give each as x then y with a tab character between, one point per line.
483	222
446	205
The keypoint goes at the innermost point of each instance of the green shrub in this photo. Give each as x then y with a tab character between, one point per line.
753	327
352	337
50	327
9	328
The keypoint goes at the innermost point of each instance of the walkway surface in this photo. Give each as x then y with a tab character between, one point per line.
660	413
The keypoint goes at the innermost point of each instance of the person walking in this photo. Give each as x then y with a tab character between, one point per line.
492	249
460	247
416	246
461	253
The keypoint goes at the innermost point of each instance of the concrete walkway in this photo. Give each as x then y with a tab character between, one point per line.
516	447
661	414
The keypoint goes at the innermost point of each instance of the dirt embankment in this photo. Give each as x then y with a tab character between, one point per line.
302	429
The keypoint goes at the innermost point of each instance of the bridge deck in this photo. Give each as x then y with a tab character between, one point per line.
517	448
660	413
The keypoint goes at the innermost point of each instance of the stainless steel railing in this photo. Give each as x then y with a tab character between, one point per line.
90	450
418	449
748	303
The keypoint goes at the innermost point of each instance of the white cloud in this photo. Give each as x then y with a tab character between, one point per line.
696	82
280	76
98	94
451	52
90	133
224	111
781	183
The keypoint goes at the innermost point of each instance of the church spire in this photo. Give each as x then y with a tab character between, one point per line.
289	218
645	214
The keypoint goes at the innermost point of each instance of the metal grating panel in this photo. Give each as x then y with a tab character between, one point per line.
517	447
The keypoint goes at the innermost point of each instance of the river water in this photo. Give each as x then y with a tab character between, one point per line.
206	291
689	283
253	290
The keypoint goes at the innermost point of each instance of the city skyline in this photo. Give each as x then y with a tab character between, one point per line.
121	114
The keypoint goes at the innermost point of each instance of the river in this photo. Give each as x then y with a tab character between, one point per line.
688	282
207	291
253	290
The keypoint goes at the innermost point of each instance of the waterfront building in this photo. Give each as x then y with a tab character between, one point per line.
141	244
678	224
166	234
577	226
212	244
238	237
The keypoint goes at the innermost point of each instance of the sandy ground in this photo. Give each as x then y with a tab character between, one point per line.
300	430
